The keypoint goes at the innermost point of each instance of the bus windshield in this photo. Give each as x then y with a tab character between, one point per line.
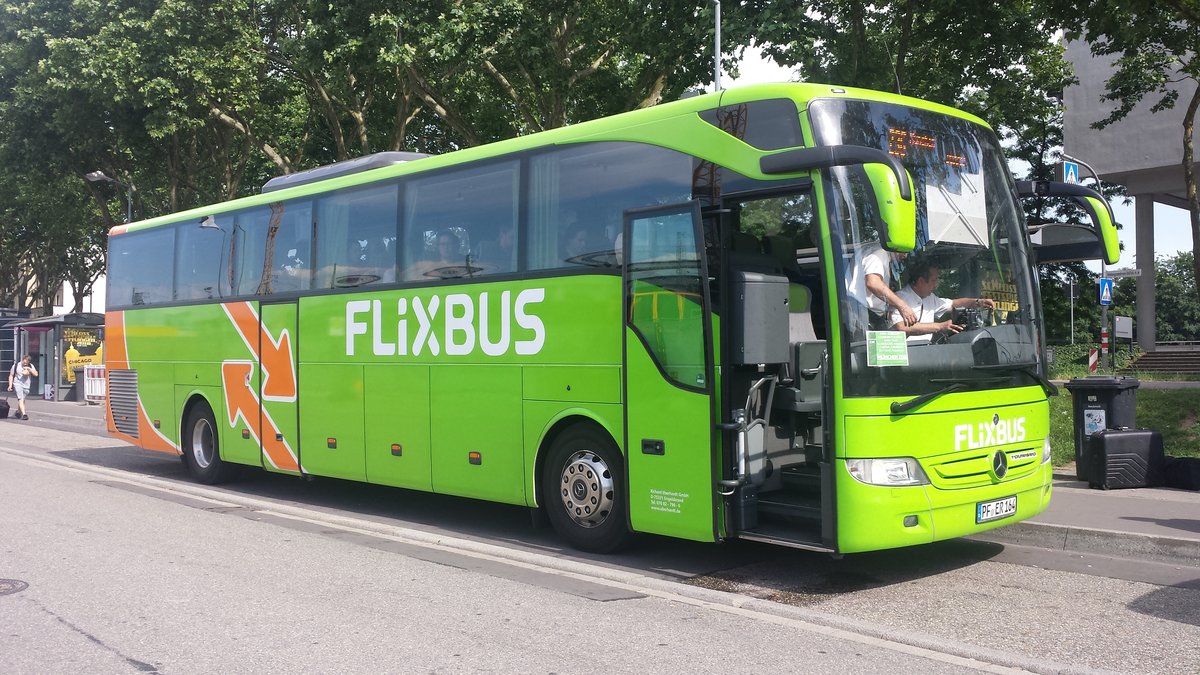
968	283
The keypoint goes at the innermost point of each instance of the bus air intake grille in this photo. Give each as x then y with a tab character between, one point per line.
122	398
965	470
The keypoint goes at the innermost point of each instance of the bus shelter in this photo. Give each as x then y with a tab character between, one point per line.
60	346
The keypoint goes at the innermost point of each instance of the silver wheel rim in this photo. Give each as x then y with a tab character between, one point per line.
586	488
202	443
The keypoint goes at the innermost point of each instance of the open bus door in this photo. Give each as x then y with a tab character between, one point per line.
668	374
1071	242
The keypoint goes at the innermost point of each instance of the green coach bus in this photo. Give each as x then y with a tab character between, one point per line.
655	322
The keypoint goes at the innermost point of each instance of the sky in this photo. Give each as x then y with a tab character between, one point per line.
1172	232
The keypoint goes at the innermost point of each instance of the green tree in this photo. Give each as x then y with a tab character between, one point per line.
996	60
1176	302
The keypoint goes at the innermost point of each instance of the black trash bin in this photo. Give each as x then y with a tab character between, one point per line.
1102	402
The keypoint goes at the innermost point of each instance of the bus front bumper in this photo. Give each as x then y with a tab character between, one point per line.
872	517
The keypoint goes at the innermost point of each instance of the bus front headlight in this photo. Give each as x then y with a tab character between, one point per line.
891	472
1046	451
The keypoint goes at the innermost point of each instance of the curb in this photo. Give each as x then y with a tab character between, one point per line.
1170	550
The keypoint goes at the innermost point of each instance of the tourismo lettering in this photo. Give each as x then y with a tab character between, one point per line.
463	321
987	434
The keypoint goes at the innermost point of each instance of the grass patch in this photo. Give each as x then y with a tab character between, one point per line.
1071	361
1175	413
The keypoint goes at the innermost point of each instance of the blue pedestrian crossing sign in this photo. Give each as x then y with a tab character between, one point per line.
1070	172
1106	290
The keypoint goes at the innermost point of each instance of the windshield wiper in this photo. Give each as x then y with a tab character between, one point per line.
899	407
956	384
1029	368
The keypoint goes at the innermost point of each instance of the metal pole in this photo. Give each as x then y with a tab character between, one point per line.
717	48
1103	267
129	203
1071	281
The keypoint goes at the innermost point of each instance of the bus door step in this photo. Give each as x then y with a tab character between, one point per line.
808	539
789	507
802	478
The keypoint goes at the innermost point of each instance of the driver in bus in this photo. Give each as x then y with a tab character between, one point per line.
919	294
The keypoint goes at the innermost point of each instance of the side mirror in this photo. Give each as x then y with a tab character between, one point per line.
1064	242
889	181
899	215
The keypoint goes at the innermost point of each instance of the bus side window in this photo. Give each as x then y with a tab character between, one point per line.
356	234
202	268
448	214
141	267
578	194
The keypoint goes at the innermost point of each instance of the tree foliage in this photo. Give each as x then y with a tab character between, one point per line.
188	102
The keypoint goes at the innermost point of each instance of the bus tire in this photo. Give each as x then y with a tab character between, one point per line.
583	487
201	447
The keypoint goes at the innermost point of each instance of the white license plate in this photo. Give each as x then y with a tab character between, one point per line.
996	509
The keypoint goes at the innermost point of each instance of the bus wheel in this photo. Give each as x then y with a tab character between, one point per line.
201	448
582	490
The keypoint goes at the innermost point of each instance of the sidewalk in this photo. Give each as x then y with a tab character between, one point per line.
1160	524
67	415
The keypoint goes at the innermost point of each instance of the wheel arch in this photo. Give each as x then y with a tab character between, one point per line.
569	419
190	401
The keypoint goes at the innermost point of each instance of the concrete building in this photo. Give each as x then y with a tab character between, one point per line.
1143	152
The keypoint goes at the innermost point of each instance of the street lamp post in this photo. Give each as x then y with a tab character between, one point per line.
101	177
717	46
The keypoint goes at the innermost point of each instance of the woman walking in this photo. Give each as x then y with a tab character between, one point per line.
19	379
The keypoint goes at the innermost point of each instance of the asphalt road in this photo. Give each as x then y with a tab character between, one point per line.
130	567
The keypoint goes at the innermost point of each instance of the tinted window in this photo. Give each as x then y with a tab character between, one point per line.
202	270
461	223
773	124
579	193
140	267
356	237
274	249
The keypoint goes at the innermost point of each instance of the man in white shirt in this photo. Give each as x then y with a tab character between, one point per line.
871	279
918	294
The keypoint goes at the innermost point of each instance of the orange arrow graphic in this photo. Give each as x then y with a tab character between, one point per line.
279	377
240	398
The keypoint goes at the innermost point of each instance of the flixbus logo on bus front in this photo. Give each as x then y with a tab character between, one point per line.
457	324
995	431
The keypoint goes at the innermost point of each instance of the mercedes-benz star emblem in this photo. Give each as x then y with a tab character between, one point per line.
1000	464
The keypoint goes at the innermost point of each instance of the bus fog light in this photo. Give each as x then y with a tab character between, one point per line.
1046	451
890	472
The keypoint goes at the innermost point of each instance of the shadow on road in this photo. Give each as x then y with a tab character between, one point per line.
786	575
1171	603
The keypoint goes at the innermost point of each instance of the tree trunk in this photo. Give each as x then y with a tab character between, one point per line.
1189	178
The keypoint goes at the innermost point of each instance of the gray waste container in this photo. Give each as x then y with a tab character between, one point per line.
1102	402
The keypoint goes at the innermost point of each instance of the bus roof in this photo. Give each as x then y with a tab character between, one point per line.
693	136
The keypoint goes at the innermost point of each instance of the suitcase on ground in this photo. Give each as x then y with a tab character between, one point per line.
1182	473
4	408
1125	458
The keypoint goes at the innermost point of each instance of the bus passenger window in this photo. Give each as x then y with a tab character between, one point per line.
462	223
356	237
579	193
